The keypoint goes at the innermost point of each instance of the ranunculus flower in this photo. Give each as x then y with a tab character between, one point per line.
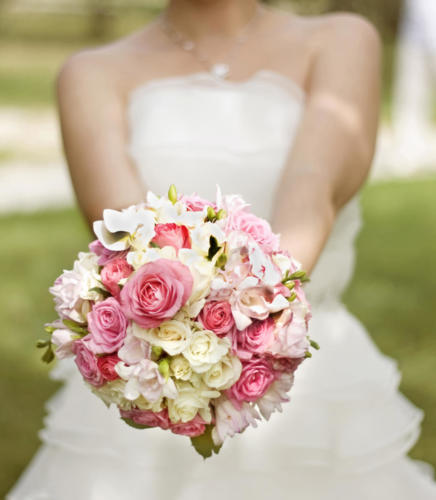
86	362
107	325
156	292
255	339
114	271
173	235
147	417
104	254
106	365
217	316
259	229
256	377
193	428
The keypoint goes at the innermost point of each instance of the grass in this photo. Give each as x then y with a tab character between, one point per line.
392	293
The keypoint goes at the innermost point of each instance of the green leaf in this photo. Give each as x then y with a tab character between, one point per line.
42	343
133	424
211	214
48	356
75	327
213	247
204	444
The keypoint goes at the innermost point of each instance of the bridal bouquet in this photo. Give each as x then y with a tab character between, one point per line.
186	315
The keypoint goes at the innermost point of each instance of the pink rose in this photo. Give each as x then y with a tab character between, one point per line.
156	292
172	235
255	339
107	325
147	417
217	316
104	254
259	229
114	271
195	203
86	362
257	375
193	428
106	365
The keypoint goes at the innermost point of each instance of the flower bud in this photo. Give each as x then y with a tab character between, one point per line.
172	194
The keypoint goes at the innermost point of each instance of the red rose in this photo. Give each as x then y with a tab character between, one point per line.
106	365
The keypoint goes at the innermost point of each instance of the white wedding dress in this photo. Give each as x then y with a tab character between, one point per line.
346	433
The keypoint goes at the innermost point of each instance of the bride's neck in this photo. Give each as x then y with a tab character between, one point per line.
200	18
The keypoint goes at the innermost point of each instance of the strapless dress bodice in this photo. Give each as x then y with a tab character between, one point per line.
197	132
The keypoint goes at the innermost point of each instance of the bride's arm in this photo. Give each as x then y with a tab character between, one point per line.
335	144
94	133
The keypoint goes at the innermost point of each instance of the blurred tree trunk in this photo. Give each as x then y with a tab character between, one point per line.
100	16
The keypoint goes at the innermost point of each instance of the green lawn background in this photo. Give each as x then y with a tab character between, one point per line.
393	293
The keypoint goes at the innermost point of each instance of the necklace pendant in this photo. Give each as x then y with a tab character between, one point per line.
220	70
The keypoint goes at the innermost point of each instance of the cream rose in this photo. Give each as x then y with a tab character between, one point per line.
113	393
223	374
172	335
205	349
190	401
181	368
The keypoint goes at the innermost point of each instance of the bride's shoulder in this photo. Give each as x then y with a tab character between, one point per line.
105	68
334	32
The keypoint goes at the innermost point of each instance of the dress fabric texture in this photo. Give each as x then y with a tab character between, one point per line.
347	430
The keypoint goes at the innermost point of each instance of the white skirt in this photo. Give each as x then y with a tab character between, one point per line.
344	435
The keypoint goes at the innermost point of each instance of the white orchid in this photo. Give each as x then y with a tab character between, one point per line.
167	211
121	229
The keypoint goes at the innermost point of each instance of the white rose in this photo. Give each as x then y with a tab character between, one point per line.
181	368
205	349
189	401
113	393
172	335
144	404
138	258
223	374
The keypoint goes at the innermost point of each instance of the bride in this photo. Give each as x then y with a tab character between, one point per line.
282	110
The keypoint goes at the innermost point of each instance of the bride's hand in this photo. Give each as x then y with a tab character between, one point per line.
335	144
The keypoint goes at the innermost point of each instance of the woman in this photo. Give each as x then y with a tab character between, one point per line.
282	110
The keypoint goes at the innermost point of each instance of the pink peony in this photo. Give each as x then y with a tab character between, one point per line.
217	316
107	325
104	254
193	428
114	271
255	339
256	377
86	362
156	292
259	229
195	203
172	235
106	365
147	417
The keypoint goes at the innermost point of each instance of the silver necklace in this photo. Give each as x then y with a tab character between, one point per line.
219	70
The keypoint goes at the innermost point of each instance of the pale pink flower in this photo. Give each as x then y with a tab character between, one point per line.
290	338
277	394
104	254
156	292
134	349
144	379
230	420
63	339
66	293
195	203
